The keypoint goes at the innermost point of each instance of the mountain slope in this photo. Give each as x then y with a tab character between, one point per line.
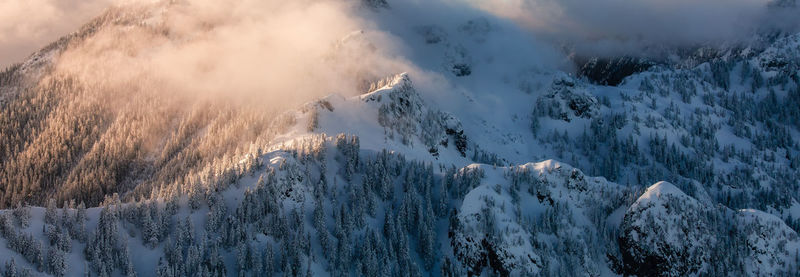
428	172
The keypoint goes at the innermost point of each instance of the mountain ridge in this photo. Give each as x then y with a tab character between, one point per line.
426	171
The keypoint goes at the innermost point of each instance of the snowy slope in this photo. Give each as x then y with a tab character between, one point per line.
668	233
459	166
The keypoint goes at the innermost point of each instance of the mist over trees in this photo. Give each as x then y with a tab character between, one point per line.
62	139
184	169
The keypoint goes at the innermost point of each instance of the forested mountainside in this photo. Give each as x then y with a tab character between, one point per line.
448	155
67	138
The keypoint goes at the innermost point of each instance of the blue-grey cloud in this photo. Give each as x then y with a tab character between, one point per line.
626	26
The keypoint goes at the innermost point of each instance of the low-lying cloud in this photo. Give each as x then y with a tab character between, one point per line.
624	27
611	27
277	52
286	51
30	24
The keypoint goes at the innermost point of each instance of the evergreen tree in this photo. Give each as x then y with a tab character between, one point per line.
22	213
269	261
50	214
11	269
149	230
57	263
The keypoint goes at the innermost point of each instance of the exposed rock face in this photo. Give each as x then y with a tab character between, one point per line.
566	100
402	111
458	60
432	34
783	55
612	71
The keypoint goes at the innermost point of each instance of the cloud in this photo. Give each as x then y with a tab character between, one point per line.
613	27
289	52
31	24
269	53
630	27
282	53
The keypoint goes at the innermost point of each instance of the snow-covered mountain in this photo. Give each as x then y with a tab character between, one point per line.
465	148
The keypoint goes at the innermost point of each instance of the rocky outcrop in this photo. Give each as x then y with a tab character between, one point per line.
566	101
402	112
612	71
666	233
